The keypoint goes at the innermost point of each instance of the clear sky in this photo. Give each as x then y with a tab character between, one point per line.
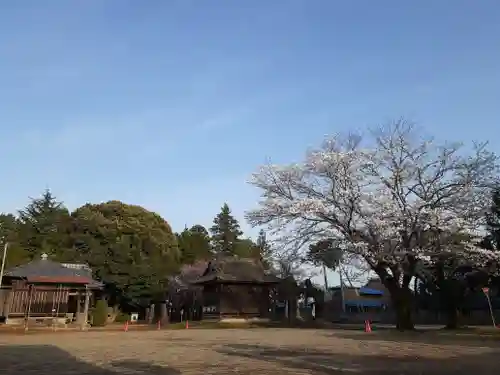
172	104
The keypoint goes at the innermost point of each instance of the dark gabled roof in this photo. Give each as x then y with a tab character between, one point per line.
236	270
187	275
47	271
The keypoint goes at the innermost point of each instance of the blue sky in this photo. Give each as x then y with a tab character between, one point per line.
172	104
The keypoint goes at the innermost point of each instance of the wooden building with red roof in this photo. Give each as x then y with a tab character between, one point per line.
44	289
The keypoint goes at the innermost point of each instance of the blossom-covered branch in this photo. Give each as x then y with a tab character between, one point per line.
391	196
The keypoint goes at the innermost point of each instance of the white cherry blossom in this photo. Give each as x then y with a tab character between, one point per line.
392	197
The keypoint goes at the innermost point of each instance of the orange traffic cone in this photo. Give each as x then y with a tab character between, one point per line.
187	324
368	327
125	328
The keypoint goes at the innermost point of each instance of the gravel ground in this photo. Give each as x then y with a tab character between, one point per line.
234	351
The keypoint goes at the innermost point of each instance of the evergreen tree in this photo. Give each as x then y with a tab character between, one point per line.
197	228
246	248
132	250
194	245
9	233
44	226
225	232
324	253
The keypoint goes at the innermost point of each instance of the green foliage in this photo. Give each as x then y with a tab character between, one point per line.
324	253
199	229
225	232
133	250
246	248
122	318
9	232
194	244
43	227
100	314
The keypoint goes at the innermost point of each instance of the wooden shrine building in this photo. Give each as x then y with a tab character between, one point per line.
45	290
236	288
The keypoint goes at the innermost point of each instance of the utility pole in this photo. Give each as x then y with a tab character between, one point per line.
4	257
342	297
325	278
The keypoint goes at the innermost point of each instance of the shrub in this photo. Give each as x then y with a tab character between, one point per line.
122	318
100	314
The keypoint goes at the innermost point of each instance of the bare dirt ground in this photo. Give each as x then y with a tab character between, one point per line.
246	351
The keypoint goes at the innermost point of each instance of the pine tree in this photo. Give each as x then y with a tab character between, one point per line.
225	232
44	226
194	245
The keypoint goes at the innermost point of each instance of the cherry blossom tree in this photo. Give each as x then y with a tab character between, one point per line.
391	196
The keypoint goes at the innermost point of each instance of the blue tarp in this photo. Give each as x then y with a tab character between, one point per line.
371	292
366	303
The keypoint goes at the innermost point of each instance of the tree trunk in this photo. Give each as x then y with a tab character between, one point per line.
291	310
402	304
404	321
452	318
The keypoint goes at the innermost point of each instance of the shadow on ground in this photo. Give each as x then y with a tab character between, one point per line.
441	337
47	359
330	363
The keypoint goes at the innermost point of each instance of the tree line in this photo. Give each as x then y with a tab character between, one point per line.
132	250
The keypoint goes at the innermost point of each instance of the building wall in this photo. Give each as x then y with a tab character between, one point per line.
335	313
235	301
359	306
377	284
353	294
38	301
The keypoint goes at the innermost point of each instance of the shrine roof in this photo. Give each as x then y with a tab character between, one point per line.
47	271
234	270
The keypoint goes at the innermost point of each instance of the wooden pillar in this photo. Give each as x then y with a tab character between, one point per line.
7	302
84	318
3	299
78	313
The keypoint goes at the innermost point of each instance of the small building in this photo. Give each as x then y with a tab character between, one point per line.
44	289
184	298
364	300
235	288
371	298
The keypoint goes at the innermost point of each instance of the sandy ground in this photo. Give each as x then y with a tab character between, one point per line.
233	351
